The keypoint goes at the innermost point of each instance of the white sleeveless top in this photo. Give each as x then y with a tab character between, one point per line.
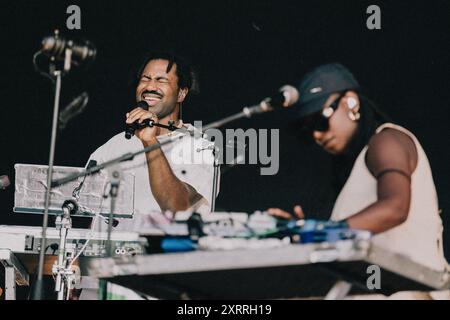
420	236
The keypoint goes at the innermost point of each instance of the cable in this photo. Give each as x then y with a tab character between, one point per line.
36	67
90	234
54	246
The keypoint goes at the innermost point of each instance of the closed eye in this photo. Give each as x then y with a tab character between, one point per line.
158	79
162	79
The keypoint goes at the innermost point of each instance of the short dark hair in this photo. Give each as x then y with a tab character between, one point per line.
187	77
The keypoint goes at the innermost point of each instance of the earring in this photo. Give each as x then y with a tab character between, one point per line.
354	116
351	103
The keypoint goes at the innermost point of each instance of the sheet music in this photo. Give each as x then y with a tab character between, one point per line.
30	188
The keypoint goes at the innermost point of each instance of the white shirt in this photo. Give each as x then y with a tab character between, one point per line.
190	158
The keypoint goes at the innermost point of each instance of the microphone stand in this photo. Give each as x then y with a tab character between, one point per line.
115	175
37	293
247	112
122	158
95	169
64	275
215	178
65	279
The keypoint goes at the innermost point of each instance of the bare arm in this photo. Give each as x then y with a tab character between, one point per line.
170	192
391	158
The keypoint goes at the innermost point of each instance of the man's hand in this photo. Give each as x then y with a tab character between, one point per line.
298	213
148	134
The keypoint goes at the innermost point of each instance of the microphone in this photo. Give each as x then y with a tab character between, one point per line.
56	46
70	206
4	182
75	107
284	98
131	127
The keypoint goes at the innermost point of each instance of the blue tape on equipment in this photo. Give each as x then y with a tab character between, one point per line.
177	244
324	231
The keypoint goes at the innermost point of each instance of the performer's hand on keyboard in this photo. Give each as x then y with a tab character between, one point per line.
147	134
276	212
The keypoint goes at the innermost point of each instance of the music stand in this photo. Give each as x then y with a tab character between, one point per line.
90	202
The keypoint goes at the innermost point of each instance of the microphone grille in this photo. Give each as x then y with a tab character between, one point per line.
142	104
53	46
4	182
290	94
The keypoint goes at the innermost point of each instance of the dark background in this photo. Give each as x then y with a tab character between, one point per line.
243	51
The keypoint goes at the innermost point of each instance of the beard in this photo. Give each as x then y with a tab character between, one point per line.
163	111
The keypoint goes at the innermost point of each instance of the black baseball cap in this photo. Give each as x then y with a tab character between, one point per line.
317	85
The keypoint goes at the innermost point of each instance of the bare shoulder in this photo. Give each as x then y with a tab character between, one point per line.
391	148
391	135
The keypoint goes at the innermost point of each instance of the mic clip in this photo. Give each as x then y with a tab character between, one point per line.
114	224
262	107
132	127
129	132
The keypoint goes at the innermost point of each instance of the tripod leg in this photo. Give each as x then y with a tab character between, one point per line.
10	283
339	291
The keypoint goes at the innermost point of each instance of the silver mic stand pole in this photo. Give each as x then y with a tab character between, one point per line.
63	274
216	164
57	74
115	175
247	112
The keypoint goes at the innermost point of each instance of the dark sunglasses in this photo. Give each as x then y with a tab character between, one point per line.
320	121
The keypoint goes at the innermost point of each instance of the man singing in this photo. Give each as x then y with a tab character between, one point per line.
179	175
